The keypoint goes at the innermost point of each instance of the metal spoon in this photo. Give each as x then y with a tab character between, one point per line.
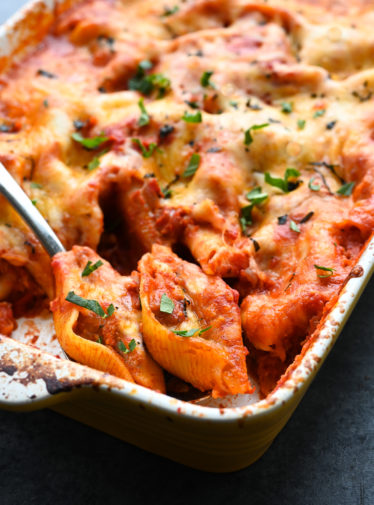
23	205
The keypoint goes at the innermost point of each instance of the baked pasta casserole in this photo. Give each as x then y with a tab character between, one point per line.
208	166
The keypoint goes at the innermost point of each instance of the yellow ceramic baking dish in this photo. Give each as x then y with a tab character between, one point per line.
219	436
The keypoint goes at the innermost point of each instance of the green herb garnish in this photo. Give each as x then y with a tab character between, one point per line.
93	164
145	84
257	196
301	124
294	227
170	11
312	186
144	117
192	118
205	329
284	184
192	166
110	310
324	269
346	189
166	192
91	267
245	219
125	350
92	305
205	79
319	113
166	304
248	139
89	143
287	107
145	153
191	333
36	185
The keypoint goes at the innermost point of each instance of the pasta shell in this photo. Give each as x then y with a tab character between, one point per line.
111	343
213	358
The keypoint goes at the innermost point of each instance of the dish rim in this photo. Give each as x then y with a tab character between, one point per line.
12	32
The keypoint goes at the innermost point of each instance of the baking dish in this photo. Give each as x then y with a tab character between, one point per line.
223	436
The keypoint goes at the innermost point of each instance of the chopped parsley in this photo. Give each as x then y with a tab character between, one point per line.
140	82
346	189
144	116
319	113
312	186
192	118
89	143
248	139
192	332
294	227
169	11
91	267
34	202
145	153
126	350
205	79
245	219
146	84
166	192
301	124
166	304
36	185
284	184
205	329
287	107
93	164
330	271
192	166
256	196
160	83
92	305
110	310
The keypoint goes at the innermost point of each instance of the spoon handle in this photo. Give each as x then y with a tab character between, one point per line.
10	189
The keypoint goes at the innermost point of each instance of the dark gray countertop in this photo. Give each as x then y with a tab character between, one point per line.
324	456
